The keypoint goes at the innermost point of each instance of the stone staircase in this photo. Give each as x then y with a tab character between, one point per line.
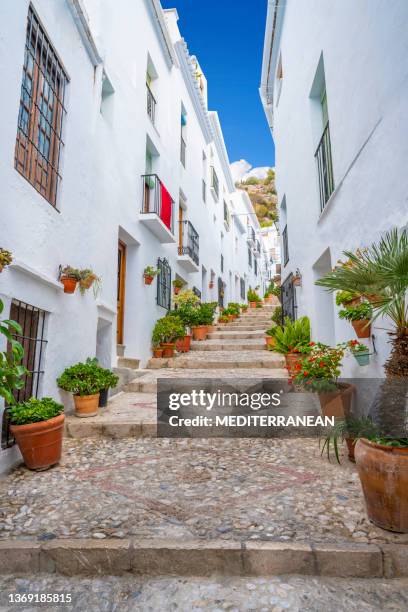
234	350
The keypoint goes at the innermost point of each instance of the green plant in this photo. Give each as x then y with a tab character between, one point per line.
357	313
167	330
70	272
234	308
276	291
11	370
88	279
186	296
203	314
357	347
244	307
320	368
252	295
107	379
6	257
293	337
34	411
350	427
277	315
259	305
178	283
81	379
345	297
223	318
151	271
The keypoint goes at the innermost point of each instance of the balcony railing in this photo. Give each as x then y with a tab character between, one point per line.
189	241
323	158
215	186
285	245
156	199
183	151
151	104
204	190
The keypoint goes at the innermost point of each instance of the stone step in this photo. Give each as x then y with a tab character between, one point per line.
128	362
230	345
235	335
252	327
221	360
148	382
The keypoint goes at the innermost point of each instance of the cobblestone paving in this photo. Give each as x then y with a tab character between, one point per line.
218	488
276	594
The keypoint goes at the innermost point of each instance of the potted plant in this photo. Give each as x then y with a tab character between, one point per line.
297	279
82	380
348	430
223	319
269	338
157	352
149	273
185	313
227	313
253	298
186	297
107	380
319	371
212	307
382	463
360	317
69	277
277	315
291	340
202	316
347	298
166	331
87	279
38	426
12	373
360	352
6	258
244	307
211	284
234	309
178	284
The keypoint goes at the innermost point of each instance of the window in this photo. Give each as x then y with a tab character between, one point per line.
204	180
215	186
255	267
279	79
32	321
226	216
151	102
41	114
164	284
288	298
196	292
242	283
249	257
285	245
222	262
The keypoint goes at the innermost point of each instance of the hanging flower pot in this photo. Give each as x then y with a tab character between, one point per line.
383	472
148	279
211	285
149	273
362	359
69	284
6	258
177	290
157	352
362	328
297	281
168	349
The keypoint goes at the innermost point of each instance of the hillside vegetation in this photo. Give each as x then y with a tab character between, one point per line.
262	193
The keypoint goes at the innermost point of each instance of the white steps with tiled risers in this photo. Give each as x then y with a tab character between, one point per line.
256	344
236	335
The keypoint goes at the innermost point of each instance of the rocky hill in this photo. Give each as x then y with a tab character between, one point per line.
262	193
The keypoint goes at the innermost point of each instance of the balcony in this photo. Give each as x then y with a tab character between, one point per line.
188	250
251	235
215	185
324	164
157	212
151	104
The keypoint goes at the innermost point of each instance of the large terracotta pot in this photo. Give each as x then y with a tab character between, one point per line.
291	359
252	304
183	344
337	403
86	405
168	349
383	472
40	443
69	284
157	353
361	328
199	332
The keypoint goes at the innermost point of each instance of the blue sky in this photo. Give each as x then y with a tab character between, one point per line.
227	38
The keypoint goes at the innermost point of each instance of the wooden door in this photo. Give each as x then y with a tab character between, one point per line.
121	292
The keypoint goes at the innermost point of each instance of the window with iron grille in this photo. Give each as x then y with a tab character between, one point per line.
249	257
32	322
222	263
197	292
242	282
40	119
164	284
256	267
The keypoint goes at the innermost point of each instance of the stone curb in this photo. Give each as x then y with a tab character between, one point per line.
202	558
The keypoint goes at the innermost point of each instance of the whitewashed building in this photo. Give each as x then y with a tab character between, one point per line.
335	89
110	160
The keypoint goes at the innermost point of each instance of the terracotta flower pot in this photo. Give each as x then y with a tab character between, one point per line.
86	283
199	332
383	472
337	403
211	285
183	344
157	353
69	284
362	328
86	405
40	443
176	290
168	349
148	279
231	317
291	359
270	341
252	304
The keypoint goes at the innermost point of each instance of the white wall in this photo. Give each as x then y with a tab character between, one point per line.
364	47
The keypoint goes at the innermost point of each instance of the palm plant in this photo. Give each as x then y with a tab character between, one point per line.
380	273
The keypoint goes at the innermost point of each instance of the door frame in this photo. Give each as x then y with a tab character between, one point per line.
120	319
